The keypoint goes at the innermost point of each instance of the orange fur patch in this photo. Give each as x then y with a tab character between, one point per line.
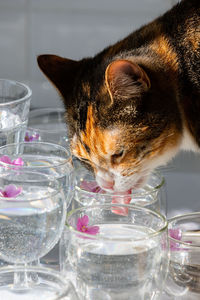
101	143
162	47
144	128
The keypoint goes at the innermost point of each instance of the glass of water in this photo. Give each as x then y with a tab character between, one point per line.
32	216
47	158
48	125
15	100
152	195
118	256
46	285
183	281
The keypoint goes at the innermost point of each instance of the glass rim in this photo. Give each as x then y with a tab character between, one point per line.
130	206
27	144
179	217
26	87
49	179
138	194
17	200
45	109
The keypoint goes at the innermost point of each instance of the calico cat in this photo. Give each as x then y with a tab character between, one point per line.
134	105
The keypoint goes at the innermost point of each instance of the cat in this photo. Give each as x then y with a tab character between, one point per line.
136	104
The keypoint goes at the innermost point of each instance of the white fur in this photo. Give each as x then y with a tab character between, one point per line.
138	178
188	142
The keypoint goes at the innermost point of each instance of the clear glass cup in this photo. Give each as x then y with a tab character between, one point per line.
48	125
126	259
47	158
183	281
32	217
86	192
15	100
47	285
152	195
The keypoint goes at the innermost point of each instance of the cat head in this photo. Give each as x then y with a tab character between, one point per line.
122	117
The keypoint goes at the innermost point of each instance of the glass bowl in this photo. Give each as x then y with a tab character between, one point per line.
152	195
115	256
15	98
47	158
183	281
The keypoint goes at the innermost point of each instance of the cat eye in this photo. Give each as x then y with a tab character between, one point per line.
85	163
84	159
143	147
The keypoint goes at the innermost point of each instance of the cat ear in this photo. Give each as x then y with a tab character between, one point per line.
126	79
60	71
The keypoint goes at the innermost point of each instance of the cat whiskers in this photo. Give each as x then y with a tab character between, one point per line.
167	168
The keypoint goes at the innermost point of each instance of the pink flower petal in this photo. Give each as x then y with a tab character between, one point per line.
11	191
82	226
18	162
34	137
97	189
174	246
37	136
92	229
175	233
5	159
82	223
30	138
79	224
27	139
91	186
85	220
88	185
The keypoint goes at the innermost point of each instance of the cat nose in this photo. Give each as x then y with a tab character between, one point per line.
108	185
105	184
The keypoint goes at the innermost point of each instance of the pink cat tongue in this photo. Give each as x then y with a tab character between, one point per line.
121	198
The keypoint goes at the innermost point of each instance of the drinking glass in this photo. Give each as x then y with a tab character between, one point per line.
183	281
118	256
86	192
15	100
32	216
152	195
47	158
48	125
47	285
